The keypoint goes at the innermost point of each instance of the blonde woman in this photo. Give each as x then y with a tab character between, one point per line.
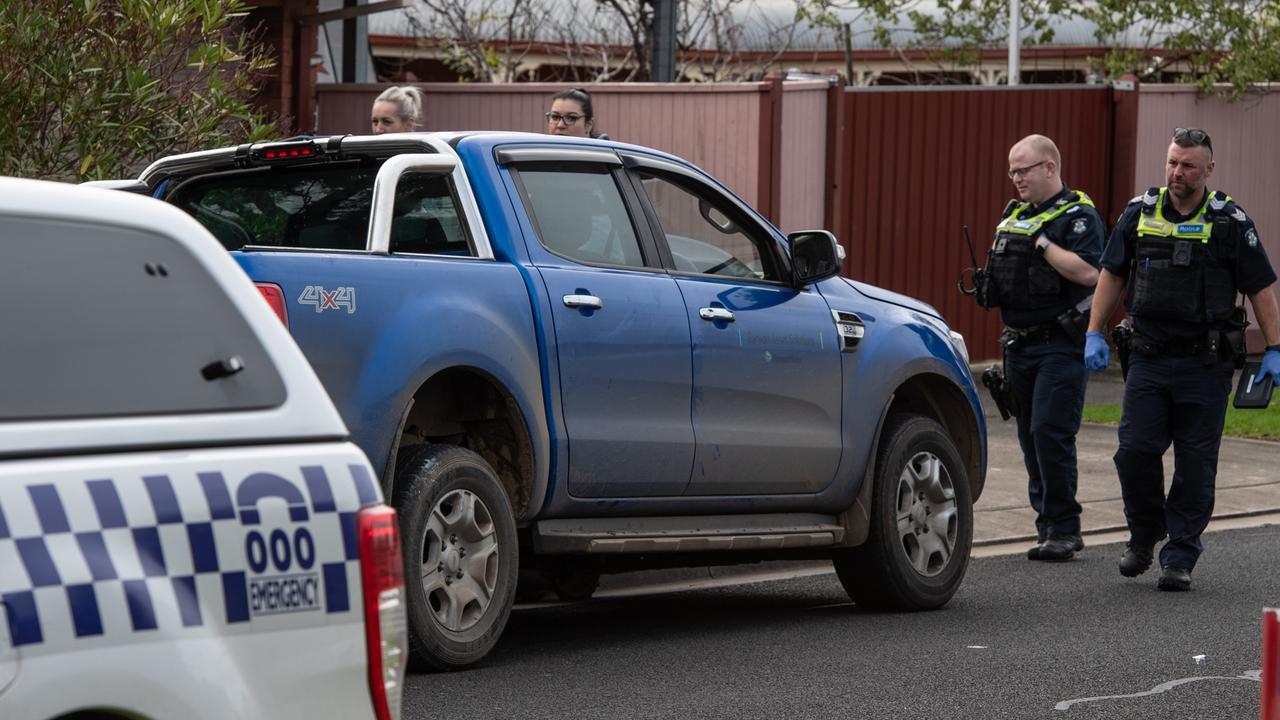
397	109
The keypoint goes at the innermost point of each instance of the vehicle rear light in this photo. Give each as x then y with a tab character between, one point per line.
303	150
382	573
275	298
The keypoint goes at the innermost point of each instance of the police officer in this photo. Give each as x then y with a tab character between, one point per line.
1180	253
1040	272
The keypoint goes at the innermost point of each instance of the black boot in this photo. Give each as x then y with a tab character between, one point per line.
1136	559
1061	547
1174	579
1033	552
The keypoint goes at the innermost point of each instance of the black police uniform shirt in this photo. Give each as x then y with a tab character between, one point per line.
1242	254
1079	230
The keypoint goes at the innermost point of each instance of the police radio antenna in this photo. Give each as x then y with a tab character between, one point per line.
973	259
973	272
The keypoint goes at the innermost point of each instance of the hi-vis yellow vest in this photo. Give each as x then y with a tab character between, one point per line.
1173	274
1024	280
1199	227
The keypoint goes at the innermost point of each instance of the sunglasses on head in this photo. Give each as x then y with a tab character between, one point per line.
1192	136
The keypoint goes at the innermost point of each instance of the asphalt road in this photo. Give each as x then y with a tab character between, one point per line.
1020	640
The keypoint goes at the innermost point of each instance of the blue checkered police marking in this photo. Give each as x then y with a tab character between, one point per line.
135	568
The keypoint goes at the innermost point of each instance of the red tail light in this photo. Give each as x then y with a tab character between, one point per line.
286	151
275	298
382	572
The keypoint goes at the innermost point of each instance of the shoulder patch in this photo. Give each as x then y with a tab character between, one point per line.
1251	237
1239	215
1079	226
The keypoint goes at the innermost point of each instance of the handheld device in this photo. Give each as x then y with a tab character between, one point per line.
1253	392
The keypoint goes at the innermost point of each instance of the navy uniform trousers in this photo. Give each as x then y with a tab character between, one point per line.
1048	383
1184	401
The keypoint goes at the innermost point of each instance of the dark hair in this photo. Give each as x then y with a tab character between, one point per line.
583	98
1192	137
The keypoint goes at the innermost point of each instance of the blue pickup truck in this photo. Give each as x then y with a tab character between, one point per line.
571	357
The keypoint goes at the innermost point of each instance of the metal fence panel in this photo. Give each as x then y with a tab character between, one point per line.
803	159
718	127
918	163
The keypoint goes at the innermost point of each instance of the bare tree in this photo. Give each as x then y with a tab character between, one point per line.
485	40
490	40
592	45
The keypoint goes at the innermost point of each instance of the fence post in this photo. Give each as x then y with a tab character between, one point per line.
1124	146
835	158
769	189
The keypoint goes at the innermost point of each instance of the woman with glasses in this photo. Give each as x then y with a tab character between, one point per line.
571	114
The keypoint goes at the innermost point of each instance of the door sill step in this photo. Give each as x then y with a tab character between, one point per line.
701	533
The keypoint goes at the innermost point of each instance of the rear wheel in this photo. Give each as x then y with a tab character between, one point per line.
460	554
922	522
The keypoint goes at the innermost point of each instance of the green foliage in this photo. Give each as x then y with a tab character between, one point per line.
959	29
93	89
1219	45
1222	46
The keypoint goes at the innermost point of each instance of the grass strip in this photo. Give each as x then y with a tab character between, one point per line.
1258	424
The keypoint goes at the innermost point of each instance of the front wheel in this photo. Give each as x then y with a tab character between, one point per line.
460	554
921	526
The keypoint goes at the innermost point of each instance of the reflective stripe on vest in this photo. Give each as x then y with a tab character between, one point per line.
1032	225
1199	227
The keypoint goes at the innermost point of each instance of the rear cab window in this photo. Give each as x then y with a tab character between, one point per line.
323	207
110	321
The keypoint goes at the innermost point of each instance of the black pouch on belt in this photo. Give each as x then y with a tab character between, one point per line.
1011	340
1075	321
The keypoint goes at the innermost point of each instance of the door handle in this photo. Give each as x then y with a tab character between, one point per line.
714	313
583	301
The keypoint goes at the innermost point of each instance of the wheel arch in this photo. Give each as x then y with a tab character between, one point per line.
468	407
934	396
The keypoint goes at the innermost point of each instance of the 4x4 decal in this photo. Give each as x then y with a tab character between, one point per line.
336	299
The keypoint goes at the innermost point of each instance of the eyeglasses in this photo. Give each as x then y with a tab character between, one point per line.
1193	136
554	118
1022	171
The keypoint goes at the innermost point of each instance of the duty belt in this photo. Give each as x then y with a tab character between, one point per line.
1182	347
1038	334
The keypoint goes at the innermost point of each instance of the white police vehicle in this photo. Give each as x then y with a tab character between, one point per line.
185	530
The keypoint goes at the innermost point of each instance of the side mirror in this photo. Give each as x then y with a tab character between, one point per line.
815	255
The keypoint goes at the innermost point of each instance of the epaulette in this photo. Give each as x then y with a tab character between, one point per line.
1219	204
1149	201
1008	209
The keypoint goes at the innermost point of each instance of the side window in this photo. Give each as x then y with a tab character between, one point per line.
426	218
580	215
704	237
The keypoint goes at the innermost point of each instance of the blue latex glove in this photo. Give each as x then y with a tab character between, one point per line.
1096	352
1271	366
